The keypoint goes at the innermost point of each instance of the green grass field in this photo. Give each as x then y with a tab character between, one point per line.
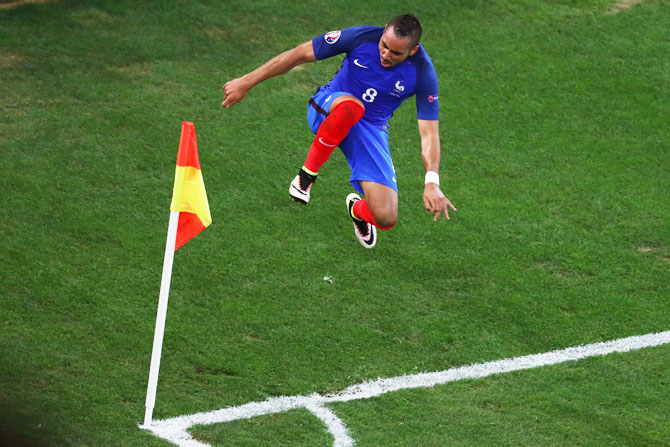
555	150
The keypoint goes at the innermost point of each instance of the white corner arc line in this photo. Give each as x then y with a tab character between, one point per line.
341	436
175	429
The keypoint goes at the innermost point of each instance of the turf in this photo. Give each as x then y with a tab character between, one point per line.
555	151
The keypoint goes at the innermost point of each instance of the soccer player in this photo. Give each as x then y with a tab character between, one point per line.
383	67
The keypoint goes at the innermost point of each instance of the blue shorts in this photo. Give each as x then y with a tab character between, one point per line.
366	146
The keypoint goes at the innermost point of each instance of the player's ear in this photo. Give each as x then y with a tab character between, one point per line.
414	50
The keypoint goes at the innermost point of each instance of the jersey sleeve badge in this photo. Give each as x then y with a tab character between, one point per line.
332	36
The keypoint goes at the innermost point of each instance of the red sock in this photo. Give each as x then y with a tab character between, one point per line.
362	211
331	132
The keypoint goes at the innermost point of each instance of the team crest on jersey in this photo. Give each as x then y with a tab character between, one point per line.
399	88
332	36
432	98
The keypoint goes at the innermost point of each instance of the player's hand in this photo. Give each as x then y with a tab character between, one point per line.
233	92
436	202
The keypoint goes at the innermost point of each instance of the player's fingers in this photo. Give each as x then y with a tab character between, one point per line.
428	204
225	95
438	213
439	204
444	210
228	101
228	95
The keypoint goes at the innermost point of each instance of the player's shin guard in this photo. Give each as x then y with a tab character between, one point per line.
361	210
332	131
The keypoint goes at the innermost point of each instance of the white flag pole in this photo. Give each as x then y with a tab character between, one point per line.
160	317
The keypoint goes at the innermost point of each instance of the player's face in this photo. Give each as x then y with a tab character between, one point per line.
393	50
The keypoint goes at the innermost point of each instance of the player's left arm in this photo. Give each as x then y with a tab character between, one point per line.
433	198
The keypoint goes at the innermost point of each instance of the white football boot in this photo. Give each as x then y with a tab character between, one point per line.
300	187
365	232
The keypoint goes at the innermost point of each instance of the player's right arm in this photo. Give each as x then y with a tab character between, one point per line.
234	91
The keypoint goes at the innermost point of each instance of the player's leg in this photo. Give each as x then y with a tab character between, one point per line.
372	174
344	112
380	206
340	113
379	209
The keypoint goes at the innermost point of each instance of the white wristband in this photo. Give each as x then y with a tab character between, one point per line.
433	177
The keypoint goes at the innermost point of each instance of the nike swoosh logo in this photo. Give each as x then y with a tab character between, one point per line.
356	63
370	238
299	191
326	144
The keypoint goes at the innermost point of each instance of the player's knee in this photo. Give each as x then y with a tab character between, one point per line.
351	110
386	218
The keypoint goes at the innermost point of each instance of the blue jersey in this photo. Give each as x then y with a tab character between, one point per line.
382	90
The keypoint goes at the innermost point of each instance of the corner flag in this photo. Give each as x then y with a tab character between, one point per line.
189	215
189	198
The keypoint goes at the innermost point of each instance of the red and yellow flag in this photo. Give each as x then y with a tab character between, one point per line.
189	198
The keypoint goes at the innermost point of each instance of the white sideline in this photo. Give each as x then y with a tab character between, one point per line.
175	429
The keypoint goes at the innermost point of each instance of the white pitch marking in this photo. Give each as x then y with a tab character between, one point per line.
335	425
175	429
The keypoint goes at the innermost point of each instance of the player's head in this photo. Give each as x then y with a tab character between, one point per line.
400	40
406	26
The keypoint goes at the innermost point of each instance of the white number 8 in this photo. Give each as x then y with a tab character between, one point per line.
369	95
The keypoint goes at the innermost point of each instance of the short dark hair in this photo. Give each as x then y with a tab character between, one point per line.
407	26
